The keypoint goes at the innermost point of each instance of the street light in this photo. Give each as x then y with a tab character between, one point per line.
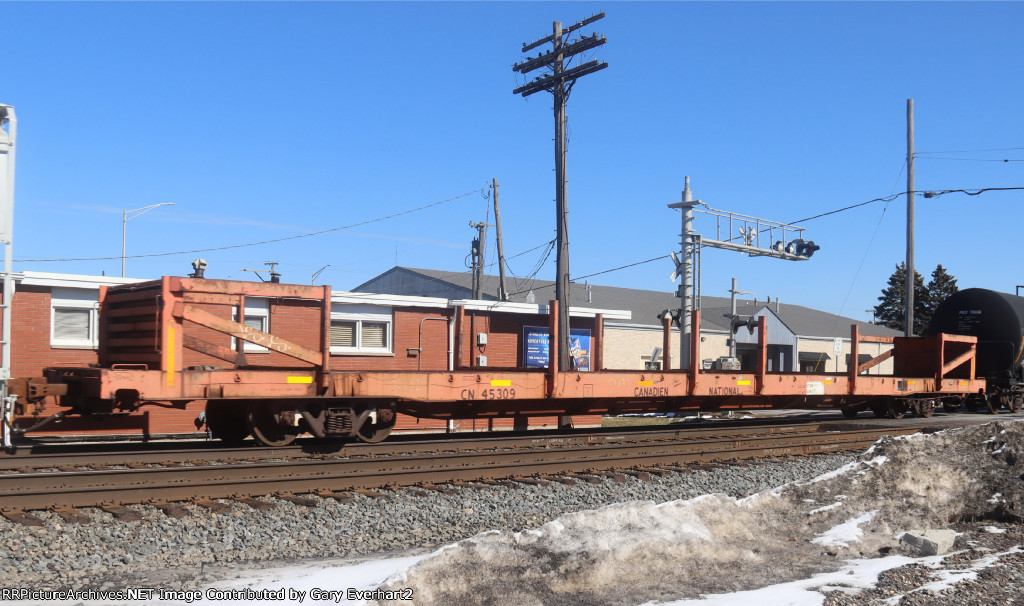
124	226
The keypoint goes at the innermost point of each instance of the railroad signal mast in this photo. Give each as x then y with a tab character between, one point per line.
752	236
559	83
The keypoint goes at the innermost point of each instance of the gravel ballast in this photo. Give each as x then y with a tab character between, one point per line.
203	546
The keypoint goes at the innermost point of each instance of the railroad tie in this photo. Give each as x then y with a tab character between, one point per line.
446	490
654	471
172	510
560	479
505	483
337	496
372	493
22	518
256	504
299	500
613	475
531	481
122	513
586	477
643	476
213	506
71	516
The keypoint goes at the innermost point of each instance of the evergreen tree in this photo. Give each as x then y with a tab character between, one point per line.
940	287
890	309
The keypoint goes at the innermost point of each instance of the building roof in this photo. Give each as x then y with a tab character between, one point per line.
645	305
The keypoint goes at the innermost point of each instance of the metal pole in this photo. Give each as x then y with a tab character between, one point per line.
687	286
561	208
732	309
124	226
482	227
908	329
124	237
9	146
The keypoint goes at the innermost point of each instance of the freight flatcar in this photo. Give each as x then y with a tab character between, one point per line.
150	333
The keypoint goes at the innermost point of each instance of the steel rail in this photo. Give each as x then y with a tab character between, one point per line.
28	491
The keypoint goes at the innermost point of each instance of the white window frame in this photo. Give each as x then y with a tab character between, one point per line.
75	299
360	314
255	307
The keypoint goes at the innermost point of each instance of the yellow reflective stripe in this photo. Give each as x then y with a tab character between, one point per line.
171	350
300	379
743	382
645	383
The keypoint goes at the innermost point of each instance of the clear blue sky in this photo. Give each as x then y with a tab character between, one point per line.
270	120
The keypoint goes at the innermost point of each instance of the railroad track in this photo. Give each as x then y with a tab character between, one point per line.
291	472
199	452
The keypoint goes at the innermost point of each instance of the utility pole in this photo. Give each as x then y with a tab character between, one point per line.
559	83
908	329
478	258
502	291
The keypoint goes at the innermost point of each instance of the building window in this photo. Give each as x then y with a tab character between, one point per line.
646	364
257	315
73	318
353	332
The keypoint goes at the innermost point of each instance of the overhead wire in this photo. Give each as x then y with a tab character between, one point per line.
271	241
886	199
967	151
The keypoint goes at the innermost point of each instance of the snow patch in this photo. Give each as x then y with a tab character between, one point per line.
845	533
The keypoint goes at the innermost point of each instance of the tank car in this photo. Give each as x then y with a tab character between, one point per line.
997	320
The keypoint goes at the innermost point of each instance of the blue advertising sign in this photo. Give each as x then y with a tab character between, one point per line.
535	347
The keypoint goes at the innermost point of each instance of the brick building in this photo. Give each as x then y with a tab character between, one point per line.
800	339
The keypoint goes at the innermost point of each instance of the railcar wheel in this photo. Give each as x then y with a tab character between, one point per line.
897	410
226	421
850	412
379	428
1016	402
925	408
951	405
269	424
880	410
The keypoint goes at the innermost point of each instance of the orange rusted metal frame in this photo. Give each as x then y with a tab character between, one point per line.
855	368
968	356
180	297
